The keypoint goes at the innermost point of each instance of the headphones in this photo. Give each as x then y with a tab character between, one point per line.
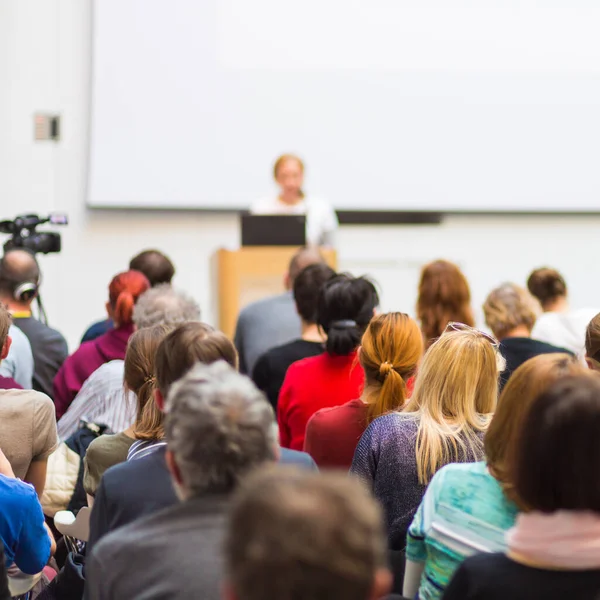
22	291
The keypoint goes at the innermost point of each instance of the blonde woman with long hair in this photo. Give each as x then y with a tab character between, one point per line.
450	409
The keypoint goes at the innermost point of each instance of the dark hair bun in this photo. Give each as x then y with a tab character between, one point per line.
546	285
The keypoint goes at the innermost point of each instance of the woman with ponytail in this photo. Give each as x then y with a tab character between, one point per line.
345	307
123	292
390	351
140	380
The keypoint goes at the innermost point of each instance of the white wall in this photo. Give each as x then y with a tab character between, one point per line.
44	65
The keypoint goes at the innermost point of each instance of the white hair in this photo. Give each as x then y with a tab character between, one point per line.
163	305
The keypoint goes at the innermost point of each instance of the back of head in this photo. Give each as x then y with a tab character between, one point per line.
390	352
455	393
307	286
187	345
123	292
530	380
164	304
345	307
444	296
558	441
510	306
19	275
5	322
547	285
592	343
157	267
219	427
302	259
140	378
295	534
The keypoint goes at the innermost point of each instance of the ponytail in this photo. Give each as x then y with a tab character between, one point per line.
387	397
123	292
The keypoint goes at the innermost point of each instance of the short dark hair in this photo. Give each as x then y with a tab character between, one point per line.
546	285
307	286
156	266
187	345
344	310
16	267
559	435
297	534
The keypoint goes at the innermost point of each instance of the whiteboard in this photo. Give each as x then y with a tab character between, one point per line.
441	105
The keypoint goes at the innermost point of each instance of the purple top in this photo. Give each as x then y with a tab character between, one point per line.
84	361
8	383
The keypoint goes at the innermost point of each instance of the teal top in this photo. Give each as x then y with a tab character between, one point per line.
464	512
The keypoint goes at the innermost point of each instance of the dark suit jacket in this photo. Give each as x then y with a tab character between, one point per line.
143	486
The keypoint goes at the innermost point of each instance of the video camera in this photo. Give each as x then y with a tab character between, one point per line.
24	235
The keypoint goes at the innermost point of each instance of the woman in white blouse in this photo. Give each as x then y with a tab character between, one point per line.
321	220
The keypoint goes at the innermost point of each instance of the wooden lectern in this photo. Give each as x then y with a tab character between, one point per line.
252	273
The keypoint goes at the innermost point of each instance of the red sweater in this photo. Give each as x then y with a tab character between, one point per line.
332	434
311	384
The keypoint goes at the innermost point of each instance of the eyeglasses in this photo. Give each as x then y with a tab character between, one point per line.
456	326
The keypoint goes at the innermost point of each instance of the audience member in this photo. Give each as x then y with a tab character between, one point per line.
473	504
157	268
272	321
140	379
337	550
28	432
219	427
553	550
592	344
558	324
444	296
20	280
24	536
269	372
444	421
18	364
6	383
510	312
124	290
4	591
103	398
142	484
390	351
346	306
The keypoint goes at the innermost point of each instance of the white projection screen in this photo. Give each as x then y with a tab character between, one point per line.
408	105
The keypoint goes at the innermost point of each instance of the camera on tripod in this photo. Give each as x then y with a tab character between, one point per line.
24	234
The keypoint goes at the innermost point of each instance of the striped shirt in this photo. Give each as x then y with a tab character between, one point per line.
463	512
142	448
102	400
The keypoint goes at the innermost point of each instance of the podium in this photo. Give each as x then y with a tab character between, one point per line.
250	274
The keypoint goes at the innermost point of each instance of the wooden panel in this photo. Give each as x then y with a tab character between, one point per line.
249	274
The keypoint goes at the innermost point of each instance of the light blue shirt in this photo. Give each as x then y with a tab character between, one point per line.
19	362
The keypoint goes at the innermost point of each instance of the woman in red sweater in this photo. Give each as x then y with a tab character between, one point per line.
345	307
390	351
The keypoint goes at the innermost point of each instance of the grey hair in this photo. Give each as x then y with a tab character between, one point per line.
218	426
163	305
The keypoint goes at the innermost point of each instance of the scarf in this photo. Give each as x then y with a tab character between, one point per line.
561	540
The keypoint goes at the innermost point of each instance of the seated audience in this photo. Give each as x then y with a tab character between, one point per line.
455	393
269	372
444	296
390	351
467	508
219	427
346	306
103	398
337	550
158	270
510	312
140	379
18	364
553	549
558	324
28	427
272	321
142	484
19	286
24	536
124	290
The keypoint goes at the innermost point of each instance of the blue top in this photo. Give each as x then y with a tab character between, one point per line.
26	541
96	330
463	512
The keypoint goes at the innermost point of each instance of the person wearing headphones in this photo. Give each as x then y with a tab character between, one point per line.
19	286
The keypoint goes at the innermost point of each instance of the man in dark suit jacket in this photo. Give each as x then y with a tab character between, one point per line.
218	428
